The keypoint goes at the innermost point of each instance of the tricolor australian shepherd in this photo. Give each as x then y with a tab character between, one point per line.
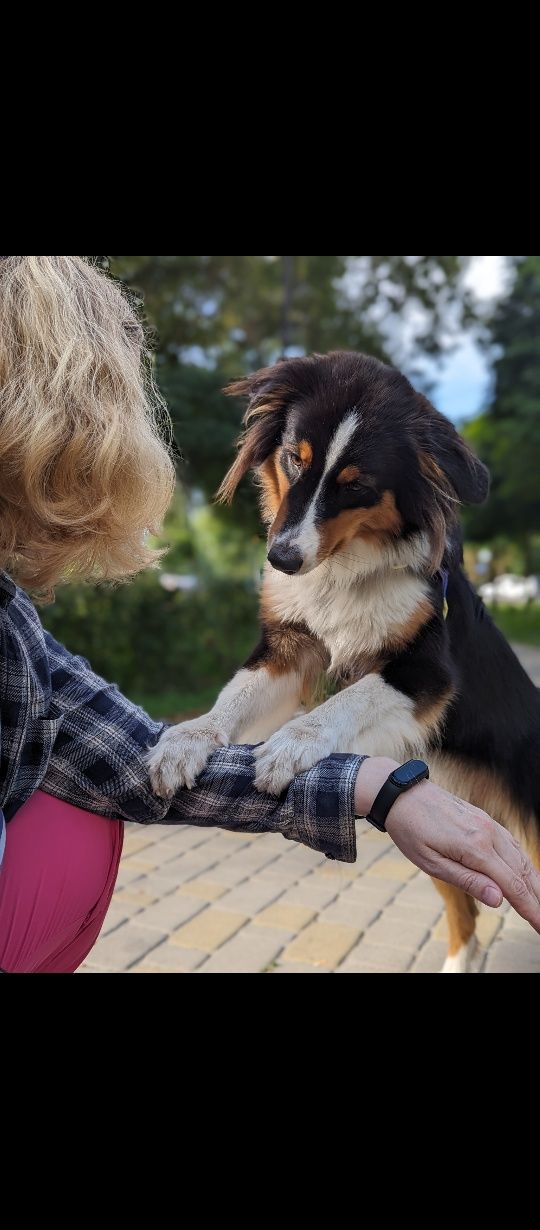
360	481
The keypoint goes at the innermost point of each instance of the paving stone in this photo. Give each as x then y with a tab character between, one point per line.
518	930
88	969
305	860
513	959
397	932
158	884
162	831
122	948
391	868
296	967
240	839
291	917
187	837
322	944
511	935
127	908
310	893
366	832
376	893
250	952
368	958
168	914
419	890
255	858
207	890
339	875
127	874
352	912
165	854
367	853
114	918
515	922
133	843
431	958
209	929
143	862
136	895
276	873
170	959
193	864
249	897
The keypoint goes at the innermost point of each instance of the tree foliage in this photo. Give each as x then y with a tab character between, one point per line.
215	317
507	436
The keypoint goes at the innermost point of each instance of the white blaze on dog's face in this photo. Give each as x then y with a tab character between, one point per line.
346	451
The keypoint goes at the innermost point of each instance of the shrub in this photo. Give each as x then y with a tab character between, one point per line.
150	641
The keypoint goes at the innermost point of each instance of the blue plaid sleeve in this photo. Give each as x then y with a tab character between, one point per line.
98	763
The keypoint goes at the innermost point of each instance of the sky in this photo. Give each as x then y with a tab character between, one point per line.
462	383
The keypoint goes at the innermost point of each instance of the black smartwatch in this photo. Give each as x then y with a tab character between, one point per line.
402	779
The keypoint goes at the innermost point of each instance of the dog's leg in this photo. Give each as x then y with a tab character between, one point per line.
266	691
370	716
461	912
182	752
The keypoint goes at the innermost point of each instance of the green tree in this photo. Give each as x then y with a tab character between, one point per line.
507	436
216	317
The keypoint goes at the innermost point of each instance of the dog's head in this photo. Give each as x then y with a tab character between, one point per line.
345	449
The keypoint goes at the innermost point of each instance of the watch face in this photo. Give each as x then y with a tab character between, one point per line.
410	773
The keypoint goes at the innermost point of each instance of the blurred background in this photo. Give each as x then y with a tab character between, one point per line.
465	329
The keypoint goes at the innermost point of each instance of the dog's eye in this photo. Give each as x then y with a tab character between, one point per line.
295	461
354	485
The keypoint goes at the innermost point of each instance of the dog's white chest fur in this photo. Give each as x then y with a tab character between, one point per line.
353	615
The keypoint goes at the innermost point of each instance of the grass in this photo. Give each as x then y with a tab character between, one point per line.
176	705
520	624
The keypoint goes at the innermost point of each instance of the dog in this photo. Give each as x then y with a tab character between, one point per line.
361	480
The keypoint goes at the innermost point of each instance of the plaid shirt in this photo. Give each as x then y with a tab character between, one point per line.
67	732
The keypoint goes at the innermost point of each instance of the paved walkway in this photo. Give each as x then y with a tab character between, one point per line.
193	900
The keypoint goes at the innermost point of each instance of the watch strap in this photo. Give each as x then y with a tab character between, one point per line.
384	801
399	781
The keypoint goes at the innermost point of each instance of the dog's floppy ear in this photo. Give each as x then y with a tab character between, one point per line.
268	391
445	456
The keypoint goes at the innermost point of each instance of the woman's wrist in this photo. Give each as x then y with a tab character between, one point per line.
372	774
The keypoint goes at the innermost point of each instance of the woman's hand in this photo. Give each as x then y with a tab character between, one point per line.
454	841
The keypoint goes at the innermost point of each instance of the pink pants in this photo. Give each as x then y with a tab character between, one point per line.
56	883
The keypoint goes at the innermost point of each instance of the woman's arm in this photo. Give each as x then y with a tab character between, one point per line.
99	763
455	842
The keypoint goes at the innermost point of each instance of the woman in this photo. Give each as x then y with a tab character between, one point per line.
84	474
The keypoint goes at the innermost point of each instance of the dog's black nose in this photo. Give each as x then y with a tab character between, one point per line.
285	559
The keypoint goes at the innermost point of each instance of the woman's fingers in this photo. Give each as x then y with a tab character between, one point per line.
499	856
477	885
520	882
505	863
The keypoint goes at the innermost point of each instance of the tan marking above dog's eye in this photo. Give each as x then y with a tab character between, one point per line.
305	452
300	455
348	475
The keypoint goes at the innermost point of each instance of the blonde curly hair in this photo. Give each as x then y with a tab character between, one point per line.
84	468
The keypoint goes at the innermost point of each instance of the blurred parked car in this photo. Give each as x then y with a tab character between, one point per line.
509	590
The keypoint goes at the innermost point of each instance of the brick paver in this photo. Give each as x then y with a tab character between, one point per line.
193	900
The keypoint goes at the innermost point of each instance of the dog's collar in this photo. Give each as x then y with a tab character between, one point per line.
443	574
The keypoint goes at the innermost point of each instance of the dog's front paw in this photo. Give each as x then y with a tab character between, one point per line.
293	749
181	754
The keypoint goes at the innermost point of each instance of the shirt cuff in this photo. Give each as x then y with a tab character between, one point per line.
320	807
